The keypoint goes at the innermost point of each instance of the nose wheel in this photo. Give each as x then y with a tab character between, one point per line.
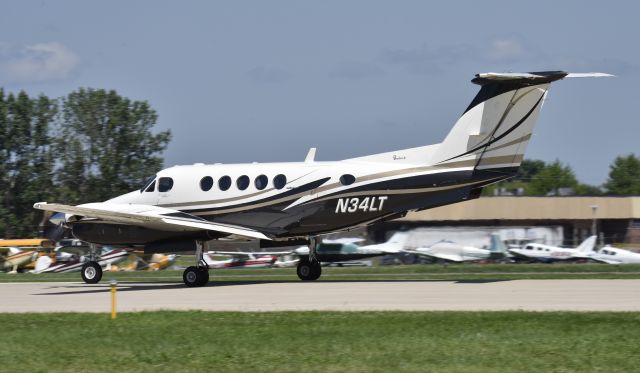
91	272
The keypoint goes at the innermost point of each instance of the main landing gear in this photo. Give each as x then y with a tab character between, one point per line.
198	275
309	269
91	270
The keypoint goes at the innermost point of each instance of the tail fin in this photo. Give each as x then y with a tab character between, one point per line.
497	245
587	245
495	129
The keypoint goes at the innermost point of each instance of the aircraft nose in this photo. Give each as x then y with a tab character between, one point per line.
58	218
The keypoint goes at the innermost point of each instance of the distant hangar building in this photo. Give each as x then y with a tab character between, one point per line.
616	219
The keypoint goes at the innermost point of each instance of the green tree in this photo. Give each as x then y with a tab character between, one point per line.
528	169
624	176
107	144
526	172
551	178
27	160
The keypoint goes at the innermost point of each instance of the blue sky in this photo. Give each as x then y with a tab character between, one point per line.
243	81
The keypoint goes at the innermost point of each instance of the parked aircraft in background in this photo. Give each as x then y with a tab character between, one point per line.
13	259
239	260
17	254
548	253
107	258
453	252
285	204
345	249
614	255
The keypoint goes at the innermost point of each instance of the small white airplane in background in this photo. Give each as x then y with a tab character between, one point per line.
239	260
548	253
107	258
613	255
345	249
453	252
286	204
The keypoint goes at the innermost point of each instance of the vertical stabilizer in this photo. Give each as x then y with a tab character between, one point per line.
586	247
495	129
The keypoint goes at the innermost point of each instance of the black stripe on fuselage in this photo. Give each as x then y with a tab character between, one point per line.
289	193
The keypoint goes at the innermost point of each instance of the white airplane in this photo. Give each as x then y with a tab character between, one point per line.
548	253
239	260
614	255
345	249
453	252
104	261
284	204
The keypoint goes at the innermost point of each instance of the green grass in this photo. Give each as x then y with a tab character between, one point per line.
322	342
453	272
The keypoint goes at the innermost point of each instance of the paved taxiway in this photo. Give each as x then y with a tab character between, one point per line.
535	295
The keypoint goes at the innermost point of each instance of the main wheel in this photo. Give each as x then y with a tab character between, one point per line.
195	277
204	276
91	272
309	270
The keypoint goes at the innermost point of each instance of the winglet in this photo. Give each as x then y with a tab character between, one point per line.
311	156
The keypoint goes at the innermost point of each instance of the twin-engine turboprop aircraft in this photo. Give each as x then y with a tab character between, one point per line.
284	204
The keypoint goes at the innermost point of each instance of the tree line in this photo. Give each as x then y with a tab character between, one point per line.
537	178
88	146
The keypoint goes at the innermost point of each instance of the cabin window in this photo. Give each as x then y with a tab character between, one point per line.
279	181
347	179
224	183
243	182
206	183
261	182
529	248
151	187
147	183
165	184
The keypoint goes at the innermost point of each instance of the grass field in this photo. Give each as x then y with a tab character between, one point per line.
408	272
322	342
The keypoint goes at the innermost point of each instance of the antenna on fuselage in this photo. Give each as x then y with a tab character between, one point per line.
311	156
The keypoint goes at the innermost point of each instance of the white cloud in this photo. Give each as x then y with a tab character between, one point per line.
37	62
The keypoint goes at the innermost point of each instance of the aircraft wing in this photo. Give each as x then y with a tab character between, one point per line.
345	240
147	216
451	258
248	253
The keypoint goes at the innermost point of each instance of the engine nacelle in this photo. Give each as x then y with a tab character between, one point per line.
121	234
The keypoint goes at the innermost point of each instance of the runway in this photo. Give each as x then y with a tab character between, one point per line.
530	295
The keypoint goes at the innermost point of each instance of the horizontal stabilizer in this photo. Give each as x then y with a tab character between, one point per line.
589	75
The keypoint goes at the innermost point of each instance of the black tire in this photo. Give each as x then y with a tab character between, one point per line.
204	276
195	277
308	270
91	273
191	276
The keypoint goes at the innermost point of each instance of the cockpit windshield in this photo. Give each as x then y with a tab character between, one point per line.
147	182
